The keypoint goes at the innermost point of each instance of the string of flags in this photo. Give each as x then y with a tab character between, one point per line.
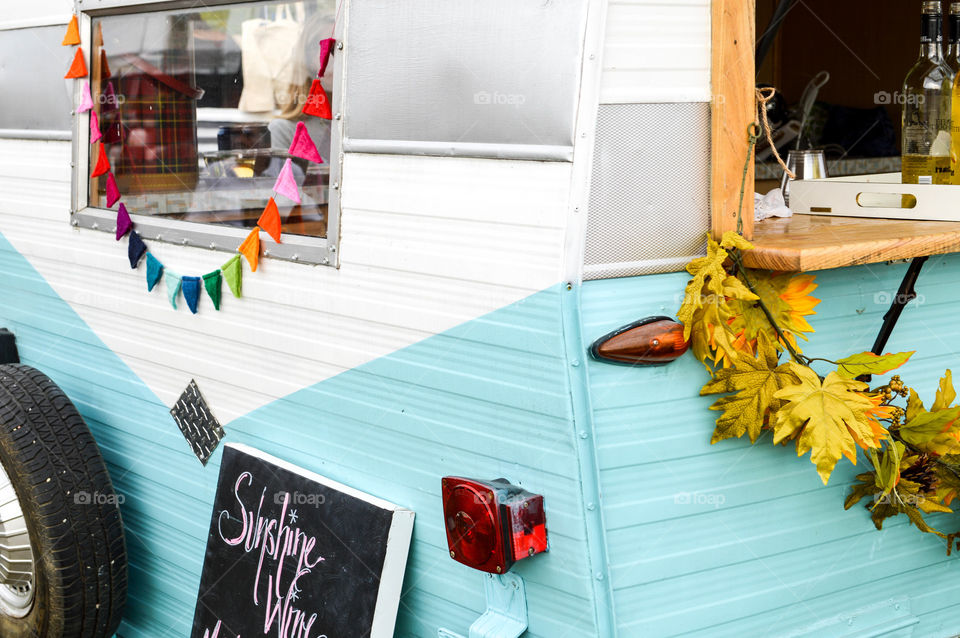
317	104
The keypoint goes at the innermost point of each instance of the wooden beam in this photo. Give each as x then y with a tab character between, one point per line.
734	40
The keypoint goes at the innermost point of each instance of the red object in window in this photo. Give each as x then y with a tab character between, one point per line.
492	524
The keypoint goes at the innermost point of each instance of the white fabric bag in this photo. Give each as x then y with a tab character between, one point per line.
273	64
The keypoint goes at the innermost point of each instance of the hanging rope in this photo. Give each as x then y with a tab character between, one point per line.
764	95
753	134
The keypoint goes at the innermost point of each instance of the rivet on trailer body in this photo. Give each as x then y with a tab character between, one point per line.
185	241
337	116
340	46
295	257
213	245
95	226
266	252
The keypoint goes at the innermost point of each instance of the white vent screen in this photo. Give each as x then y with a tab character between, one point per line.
649	194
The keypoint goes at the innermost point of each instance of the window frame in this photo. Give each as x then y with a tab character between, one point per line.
732	110
295	248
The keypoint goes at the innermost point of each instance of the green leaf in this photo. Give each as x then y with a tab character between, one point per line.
914	405
923	427
945	393
869	363
755	381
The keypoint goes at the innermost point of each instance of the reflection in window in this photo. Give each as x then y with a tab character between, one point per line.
198	107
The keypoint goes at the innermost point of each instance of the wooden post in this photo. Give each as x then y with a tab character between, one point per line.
734	41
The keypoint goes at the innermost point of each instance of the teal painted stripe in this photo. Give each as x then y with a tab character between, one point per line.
778	554
488	398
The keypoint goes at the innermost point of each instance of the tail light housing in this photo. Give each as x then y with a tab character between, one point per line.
491	525
650	341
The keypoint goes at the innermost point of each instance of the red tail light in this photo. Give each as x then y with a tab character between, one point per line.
492	524
650	341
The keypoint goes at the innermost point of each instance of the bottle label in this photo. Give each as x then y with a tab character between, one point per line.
931	29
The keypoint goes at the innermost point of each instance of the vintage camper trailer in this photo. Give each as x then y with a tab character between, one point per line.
502	184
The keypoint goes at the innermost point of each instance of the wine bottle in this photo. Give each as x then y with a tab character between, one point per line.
926	97
952	54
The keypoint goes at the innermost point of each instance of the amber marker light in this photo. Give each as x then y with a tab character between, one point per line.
650	341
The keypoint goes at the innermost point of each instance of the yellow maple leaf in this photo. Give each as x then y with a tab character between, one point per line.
705	313
829	417
754	380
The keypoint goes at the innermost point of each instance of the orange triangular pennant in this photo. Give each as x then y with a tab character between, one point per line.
104	67
250	248
72	36
270	220
79	67
103	164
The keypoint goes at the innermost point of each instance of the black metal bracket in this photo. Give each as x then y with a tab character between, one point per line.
905	294
8	347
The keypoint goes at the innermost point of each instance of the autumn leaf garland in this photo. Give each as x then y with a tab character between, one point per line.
740	322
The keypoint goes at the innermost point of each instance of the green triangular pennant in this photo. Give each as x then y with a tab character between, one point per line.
233	273
211	281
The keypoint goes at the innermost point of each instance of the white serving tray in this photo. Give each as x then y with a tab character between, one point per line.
875	196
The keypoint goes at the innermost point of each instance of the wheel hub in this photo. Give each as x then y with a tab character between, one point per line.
17	567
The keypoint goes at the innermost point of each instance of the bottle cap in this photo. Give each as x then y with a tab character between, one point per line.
954	8
931	7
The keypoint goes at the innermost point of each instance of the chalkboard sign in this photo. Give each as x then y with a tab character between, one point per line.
292	554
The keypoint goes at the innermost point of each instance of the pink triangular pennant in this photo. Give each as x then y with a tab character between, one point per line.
113	193
94	127
303	145
286	185
124	223
326	46
86	100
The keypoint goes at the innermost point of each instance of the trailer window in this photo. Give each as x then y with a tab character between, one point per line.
198	106
34	102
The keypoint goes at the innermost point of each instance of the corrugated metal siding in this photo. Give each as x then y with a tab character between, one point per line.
779	556
36	12
656	51
429	245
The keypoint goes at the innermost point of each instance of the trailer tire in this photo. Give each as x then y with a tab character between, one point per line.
51	467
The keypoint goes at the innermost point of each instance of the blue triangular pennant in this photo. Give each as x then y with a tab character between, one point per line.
154	271
191	292
135	249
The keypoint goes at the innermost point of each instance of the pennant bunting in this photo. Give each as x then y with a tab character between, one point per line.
303	145
172	280
212	281
103	164
250	248
233	273
191	292
326	48
317	103
110	102
124	223
78	68
113	193
154	271
72	36
94	127
86	100
286	185
135	249
270	220
104	67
